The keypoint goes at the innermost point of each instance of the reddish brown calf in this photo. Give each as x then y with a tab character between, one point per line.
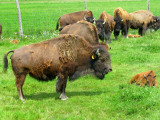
145	78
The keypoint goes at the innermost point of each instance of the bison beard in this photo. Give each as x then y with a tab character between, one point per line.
64	56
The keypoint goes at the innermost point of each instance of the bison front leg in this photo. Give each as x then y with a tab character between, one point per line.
19	83
116	33
144	30
125	31
61	86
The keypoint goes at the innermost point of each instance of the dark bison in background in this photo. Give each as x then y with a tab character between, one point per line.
155	24
122	19
62	57
0	30
71	18
140	20
86	30
105	26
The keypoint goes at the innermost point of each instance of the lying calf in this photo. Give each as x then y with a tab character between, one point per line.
145	78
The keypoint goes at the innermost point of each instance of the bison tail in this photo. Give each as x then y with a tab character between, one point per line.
57	26
5	60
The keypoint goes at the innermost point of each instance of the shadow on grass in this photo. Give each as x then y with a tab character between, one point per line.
43	95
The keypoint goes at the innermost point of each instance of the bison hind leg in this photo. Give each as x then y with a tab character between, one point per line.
61	85
20	78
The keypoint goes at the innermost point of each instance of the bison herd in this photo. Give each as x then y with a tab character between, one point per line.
77	50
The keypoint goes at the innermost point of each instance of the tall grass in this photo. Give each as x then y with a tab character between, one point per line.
89	98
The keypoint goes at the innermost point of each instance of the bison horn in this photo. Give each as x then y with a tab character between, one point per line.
104	22
85	18
98	53
122	20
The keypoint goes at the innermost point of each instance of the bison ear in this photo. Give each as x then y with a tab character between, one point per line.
154	76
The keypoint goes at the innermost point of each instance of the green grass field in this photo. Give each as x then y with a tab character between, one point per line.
89	98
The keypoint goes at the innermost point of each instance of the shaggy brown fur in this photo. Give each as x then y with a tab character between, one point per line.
71	18
85	29
145	78
106	45
122	19
0	30
140	20
65	56
121	13
108	19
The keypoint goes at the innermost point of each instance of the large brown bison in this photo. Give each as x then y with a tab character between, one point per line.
145	78
64	56
71	18
140	20
0	30
122	19
105	26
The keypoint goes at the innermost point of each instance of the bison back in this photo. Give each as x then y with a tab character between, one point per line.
46	59
85	29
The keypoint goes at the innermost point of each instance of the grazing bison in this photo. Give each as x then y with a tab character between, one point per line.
71	18
105	26
0	30
86	30
145	78
140	20
122	19
64	56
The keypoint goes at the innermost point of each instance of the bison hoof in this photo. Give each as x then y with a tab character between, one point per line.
63	96
22	100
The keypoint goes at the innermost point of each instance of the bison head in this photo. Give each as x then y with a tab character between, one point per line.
101	62
89	19
156	19
100	24
155	24
150	80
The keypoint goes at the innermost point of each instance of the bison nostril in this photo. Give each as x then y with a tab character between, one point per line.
110	69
